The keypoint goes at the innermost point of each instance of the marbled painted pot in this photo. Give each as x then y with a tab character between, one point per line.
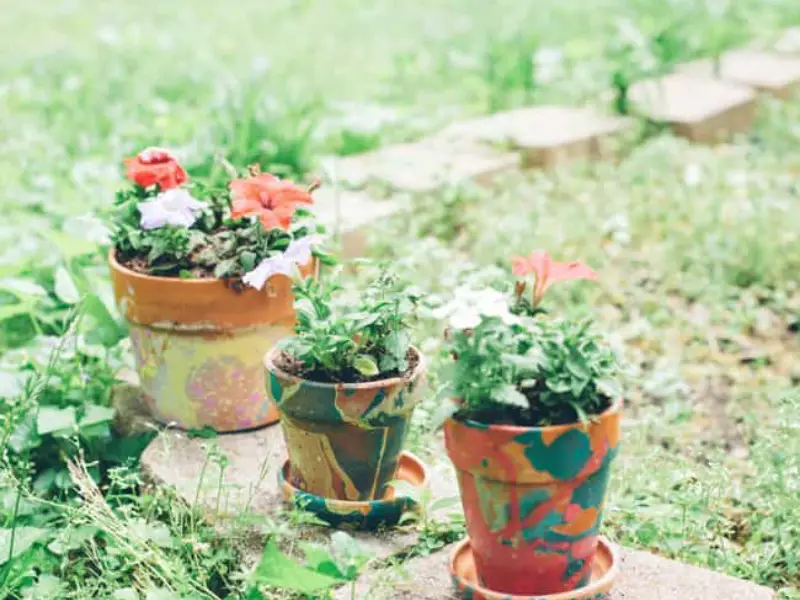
366	515
198	345
533	499
605	569
343	440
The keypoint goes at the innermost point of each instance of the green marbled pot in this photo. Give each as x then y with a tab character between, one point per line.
343	440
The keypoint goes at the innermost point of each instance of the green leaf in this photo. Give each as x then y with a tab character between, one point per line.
71	539
156	532
319	558
276	569
24	437
349	554
23	538
98	325
127	593
510	395
51	419
47	587
22	287
65	287
95	414
204	432
365	365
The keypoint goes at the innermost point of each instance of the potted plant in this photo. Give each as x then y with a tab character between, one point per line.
201	272
345	385
534	430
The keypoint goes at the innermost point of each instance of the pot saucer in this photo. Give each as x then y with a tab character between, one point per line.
369	514
604	572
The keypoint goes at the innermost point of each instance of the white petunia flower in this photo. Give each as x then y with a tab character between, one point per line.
174	207
469	306
298	253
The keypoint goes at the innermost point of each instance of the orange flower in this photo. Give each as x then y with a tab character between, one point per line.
546	272
155	166
273	200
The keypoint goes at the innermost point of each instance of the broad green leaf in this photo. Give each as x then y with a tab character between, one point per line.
510	395
278	570
65	287
95	414
51	419
127	593
12	310
71	539
48	587
350	556
98	324
23	538
365	365
24	437
70	246
22	287
319	558
156	532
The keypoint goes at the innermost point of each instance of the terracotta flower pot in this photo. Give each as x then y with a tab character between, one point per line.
198	345
343	439
533	499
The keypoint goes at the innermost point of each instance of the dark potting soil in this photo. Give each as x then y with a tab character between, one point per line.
139	264
293	366
528	417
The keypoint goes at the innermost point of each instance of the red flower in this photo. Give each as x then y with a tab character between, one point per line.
273	200
546	272
155	166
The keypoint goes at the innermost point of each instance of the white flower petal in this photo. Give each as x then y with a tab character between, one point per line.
174	207
298	253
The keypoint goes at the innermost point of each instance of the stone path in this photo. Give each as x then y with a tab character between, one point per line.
700	109
248	484
764	71
547	136
643	576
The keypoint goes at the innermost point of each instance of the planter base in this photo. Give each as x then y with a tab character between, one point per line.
604	572
366	515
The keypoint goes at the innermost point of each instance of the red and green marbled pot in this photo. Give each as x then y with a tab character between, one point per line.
344	439
533	499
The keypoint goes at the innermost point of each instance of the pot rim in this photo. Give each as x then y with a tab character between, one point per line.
615	408
356	504
207	281
419	370
130	273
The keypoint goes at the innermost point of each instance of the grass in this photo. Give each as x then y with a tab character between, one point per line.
697	248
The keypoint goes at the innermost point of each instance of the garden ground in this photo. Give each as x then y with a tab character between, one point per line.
697	247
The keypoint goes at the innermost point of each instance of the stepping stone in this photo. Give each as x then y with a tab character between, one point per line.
701	109
349	215
424	166
764	71
643	576
248	486
547	136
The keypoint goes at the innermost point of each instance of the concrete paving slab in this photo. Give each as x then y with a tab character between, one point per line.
764	71
701	109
